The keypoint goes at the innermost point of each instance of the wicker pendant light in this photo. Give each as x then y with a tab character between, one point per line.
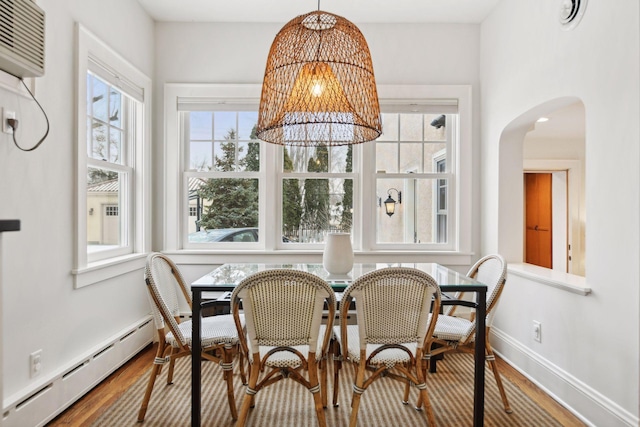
318	86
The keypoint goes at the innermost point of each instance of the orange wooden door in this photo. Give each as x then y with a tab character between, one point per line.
539	233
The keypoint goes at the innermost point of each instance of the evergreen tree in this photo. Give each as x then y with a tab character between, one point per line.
231	202
316	210
291	200
346	220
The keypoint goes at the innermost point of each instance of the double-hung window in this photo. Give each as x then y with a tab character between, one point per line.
112	159
317	189
415	173
222	176
226	189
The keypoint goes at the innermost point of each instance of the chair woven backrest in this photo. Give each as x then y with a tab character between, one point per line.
166	288
492	271
393	305
283	307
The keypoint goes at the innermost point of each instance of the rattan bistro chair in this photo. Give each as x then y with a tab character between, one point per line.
219	337
283	309
454	333
394	329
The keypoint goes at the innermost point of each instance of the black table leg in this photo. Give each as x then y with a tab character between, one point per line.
479	356
196	364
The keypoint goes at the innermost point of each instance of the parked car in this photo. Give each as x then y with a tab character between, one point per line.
248	234
225	235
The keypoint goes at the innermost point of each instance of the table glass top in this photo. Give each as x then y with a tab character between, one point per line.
229	275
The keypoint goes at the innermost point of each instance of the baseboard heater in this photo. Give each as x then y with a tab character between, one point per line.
49	397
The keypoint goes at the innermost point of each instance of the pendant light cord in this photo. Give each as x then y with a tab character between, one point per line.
14	126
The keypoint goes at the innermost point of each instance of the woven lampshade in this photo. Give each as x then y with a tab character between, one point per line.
318	85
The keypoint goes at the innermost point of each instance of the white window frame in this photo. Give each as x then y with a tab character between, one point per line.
271	154
414	98
354	175
87	268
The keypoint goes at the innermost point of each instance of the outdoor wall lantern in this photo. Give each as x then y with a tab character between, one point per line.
390	204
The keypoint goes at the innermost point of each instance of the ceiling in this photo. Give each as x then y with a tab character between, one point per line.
565	123
357	11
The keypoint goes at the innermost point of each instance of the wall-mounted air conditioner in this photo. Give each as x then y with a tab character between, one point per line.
21	38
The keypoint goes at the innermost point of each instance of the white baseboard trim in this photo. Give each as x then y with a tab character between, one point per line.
589	405
42	401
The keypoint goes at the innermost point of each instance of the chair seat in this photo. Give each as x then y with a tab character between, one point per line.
387	357
286	359
451	328
215	330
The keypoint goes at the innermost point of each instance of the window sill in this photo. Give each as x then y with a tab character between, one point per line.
99	271
565	281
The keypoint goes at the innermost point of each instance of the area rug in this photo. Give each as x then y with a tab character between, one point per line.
289	404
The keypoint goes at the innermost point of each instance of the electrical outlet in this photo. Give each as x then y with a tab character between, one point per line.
35	362
537	331
5	116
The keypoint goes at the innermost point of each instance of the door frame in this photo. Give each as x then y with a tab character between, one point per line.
575	205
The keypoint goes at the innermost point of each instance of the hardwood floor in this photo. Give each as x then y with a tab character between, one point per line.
92	405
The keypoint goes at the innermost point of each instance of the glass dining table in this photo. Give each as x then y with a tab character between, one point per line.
215	286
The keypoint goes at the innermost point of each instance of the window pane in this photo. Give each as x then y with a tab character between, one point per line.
115	145
294	159
200	125
249	156
99	100
224	125
309	159
311	208
226	203
104	210
387	157
115	108
435	157
247	121
434	127
389	128
410	127
410	157
225	156
342	159
200	155
99	146
414	216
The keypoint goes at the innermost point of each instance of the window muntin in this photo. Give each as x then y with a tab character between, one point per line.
418	149
317	187
223	174
111	127
435	100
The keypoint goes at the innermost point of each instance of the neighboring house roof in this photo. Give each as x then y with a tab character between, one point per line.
112	186
104	187
195	184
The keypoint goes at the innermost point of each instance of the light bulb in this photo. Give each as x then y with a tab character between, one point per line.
316	89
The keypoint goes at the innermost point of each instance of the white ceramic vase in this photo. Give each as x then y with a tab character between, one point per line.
338	253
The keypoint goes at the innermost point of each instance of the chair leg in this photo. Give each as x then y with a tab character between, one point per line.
359	383
227	374
424	396
337	365
155	371
172	365
494	367
247	399
315	390
323	364
243	375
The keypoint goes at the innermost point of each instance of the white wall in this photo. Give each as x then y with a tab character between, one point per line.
40	309
237	53
589	356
